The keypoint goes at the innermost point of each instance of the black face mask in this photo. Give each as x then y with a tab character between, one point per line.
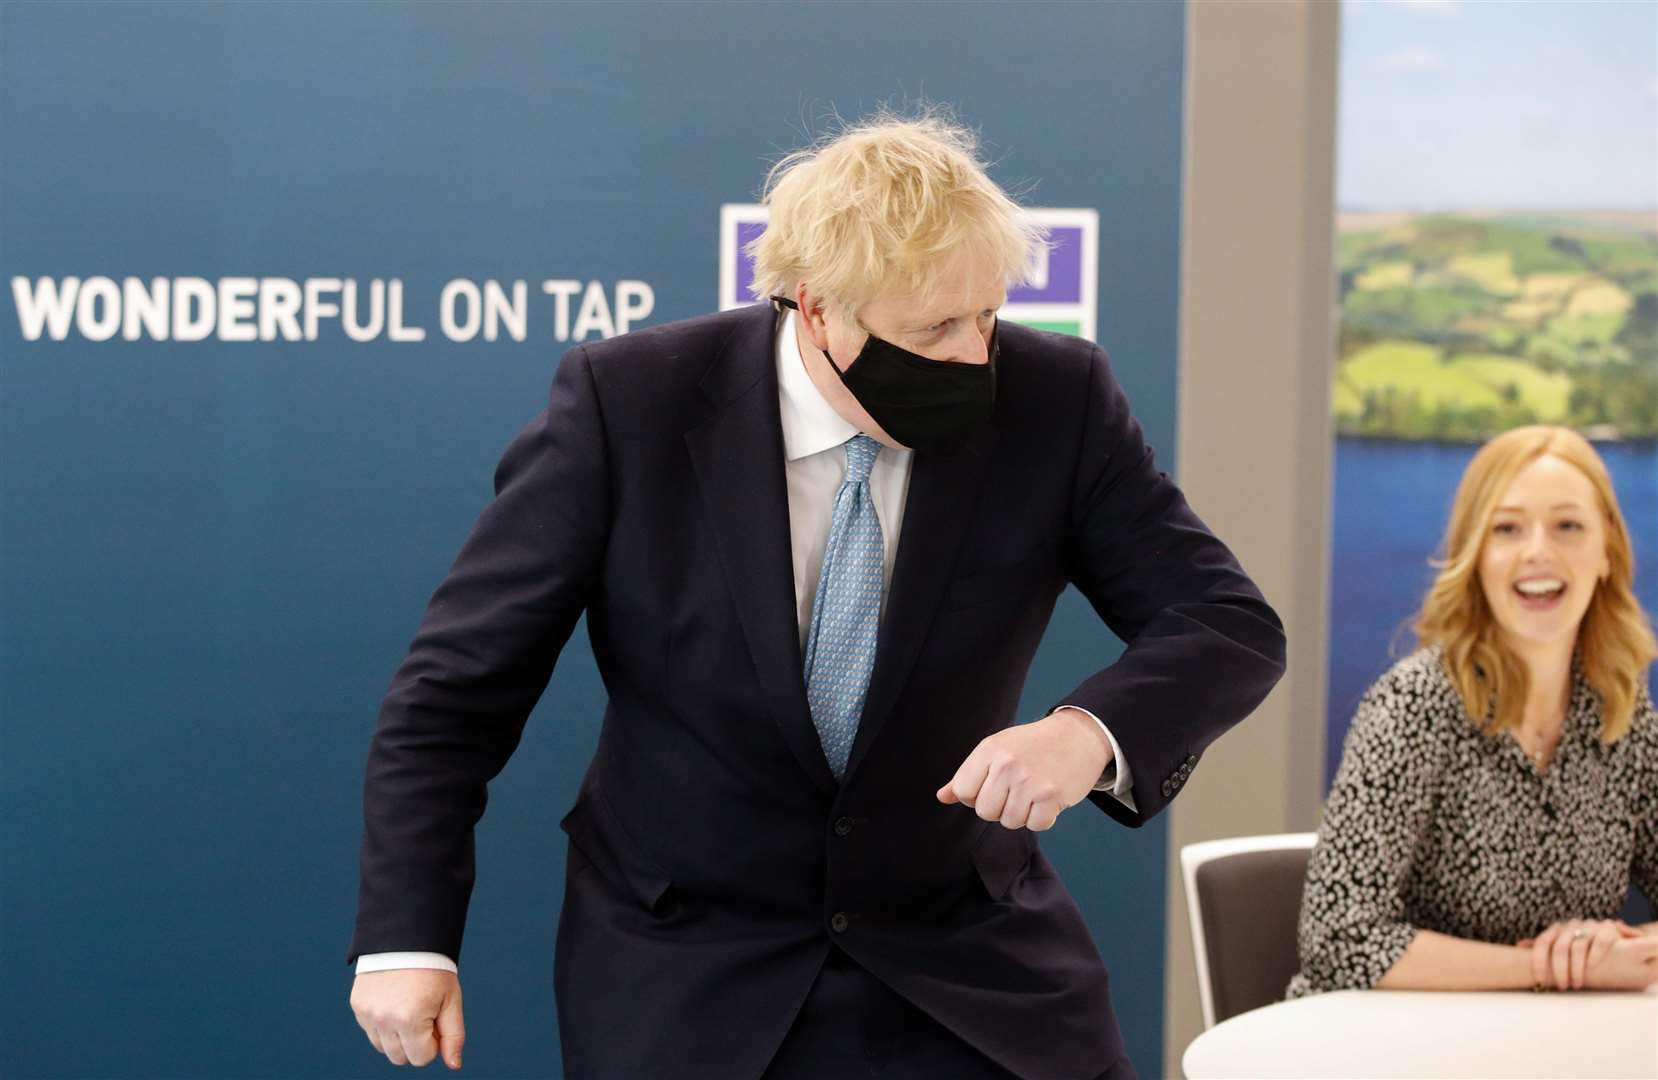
931	406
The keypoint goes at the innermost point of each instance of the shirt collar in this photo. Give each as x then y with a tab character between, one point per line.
810	424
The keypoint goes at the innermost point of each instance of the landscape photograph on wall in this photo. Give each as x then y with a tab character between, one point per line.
1497	251
1459	326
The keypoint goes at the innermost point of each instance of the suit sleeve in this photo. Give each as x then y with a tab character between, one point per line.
1203	646
479	662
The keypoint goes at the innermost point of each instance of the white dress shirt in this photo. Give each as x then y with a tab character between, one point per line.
814	465
814	452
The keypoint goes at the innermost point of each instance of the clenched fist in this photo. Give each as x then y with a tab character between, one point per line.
411	1014
1024	776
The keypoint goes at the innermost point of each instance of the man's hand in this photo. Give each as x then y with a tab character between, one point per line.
411	1014
1024	776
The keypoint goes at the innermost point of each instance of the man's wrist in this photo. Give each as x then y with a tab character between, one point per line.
1096	732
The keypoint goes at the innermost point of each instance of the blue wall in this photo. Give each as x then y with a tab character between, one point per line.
213	553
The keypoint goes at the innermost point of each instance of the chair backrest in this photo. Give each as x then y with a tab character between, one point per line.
1244	898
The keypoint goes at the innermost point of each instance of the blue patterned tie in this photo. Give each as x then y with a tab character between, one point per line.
840	647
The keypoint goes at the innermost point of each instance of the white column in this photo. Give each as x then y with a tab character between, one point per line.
1257	334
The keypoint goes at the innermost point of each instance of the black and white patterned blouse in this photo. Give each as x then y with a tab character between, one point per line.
1431	825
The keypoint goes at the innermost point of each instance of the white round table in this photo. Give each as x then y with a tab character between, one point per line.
1382	1033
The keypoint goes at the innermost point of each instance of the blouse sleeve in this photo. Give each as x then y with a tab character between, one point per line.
1353	926
1644	868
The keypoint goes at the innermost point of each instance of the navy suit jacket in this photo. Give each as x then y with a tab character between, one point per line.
713	857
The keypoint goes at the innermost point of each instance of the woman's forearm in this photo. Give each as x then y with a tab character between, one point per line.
1435	961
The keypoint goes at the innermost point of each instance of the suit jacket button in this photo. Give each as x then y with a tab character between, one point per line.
1168	789
1185	772
843	826
1191	760
838	922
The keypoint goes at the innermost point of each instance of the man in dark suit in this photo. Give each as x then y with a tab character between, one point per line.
817	543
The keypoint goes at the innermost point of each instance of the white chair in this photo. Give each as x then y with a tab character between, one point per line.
1244	899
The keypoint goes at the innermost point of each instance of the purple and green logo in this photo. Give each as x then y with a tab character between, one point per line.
1059	296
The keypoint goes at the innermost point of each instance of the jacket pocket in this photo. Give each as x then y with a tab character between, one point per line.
600	838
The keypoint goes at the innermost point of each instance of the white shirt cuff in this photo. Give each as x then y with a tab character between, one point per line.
392	961
1117	780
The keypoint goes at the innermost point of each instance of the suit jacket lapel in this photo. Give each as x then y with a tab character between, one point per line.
937	512
738	457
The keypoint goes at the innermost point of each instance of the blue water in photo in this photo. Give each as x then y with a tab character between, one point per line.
1392	500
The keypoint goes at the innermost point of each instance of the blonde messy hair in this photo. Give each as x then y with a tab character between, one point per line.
880	206
1615	641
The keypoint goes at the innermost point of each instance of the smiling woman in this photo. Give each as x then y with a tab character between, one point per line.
1538	562
1498	791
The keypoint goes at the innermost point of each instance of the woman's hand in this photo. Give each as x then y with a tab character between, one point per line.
1630	964
1597	954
